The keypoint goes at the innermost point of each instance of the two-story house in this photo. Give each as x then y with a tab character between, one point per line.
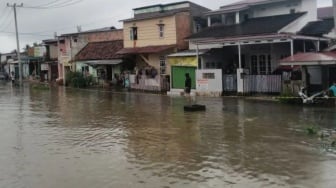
154	32
246	40
49	66
69	45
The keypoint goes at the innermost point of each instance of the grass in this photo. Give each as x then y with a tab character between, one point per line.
40	86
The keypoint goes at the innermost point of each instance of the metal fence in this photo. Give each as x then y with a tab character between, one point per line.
262	83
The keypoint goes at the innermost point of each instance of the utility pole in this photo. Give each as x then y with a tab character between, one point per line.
14	6
334	10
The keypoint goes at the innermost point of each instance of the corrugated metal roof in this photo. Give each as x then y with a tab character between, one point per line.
318	28
310	58
188	53
253	26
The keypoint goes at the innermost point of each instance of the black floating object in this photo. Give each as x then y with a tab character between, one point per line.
194	108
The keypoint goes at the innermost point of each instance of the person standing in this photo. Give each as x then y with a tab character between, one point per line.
13	77
187	84
332	89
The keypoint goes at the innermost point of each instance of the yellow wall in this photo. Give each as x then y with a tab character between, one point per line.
148	32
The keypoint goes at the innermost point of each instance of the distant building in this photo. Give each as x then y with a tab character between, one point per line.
70	44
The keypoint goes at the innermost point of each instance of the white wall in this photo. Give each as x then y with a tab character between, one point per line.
309	6
209	86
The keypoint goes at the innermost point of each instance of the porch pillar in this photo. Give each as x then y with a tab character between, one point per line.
240	71
209	21
239	55
237	18
292	47
304	46
199	66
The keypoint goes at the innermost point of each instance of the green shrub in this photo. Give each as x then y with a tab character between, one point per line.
77	79
312	130
40	86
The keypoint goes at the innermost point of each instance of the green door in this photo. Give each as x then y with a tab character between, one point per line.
178	76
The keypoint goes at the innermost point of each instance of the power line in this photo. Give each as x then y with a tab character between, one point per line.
6	17
31	34
58	5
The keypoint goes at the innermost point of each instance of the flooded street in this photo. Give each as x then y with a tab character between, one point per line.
66	138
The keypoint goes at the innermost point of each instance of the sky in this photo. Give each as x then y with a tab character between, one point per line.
37	24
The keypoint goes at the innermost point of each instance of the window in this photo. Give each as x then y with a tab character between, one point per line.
254	64
134	33
208	75
161	30
198	27
269	62
292	11
262	64
162	65
85	70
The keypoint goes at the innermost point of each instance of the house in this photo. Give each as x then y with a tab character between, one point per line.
49	67
70	44
4	62
32	62
155	32
9	63
99	59
318	69
247	40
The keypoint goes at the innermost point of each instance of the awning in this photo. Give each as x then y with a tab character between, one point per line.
188	53
104	62
146	50
287	68
310	58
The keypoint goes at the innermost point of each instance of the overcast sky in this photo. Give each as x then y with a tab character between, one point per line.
39	24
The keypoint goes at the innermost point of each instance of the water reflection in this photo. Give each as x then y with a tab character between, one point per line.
75	138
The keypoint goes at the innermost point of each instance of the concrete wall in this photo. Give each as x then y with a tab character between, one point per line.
209	86
183	29
148	32
309	6
53	51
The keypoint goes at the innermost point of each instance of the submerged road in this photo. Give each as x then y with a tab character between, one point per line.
67	138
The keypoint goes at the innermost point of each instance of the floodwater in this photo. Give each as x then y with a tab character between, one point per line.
67	138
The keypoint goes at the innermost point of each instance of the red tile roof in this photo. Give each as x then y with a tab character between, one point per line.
146	50
100	51
310	58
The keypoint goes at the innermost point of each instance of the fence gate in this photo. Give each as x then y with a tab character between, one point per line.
229	82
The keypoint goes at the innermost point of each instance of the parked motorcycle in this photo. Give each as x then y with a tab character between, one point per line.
313	99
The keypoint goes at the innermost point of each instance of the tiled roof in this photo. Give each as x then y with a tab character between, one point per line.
318	28
100	51
253	26
146	49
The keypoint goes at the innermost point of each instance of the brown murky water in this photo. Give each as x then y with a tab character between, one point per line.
88	139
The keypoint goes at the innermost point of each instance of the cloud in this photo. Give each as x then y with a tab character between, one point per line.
40	24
